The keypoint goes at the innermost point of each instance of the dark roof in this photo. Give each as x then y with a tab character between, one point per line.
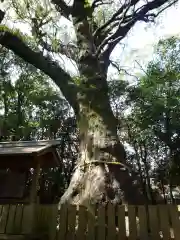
43	150
26	147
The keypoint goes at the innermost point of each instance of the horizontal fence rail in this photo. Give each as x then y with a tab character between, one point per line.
98	222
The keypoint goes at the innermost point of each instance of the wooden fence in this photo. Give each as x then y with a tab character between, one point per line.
97	223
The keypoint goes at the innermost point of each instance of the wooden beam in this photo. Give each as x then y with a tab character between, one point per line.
35	184
33	198
30	143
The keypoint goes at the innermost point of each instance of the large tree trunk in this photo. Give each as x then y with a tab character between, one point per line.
98	177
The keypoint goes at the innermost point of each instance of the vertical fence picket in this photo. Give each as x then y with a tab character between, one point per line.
4	217
143	231
1	208
154	223
71	222
91	223
28	218
18	219
10	219
132	223
111	234
175	221
48	212
62	223
44	214
121	223
164	222
82	223
53	213
101	233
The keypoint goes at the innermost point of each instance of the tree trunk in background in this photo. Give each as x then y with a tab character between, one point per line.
142	178
5	129
171	191
19	112
163	191
149	188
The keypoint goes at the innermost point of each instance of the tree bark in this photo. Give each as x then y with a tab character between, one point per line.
98	177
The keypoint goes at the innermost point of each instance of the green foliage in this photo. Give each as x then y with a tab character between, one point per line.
155	105
157	93
87	4
31	108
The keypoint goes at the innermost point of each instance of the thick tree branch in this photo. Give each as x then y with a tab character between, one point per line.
2	14
163	137
127	22
78	9
97	3
116	37
115	16
49	67
63	8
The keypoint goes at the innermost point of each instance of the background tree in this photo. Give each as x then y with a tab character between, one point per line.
155	112
31	109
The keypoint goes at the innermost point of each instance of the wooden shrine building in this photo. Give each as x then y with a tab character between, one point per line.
19	158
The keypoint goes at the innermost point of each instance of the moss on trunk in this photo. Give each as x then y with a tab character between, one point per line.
98	177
